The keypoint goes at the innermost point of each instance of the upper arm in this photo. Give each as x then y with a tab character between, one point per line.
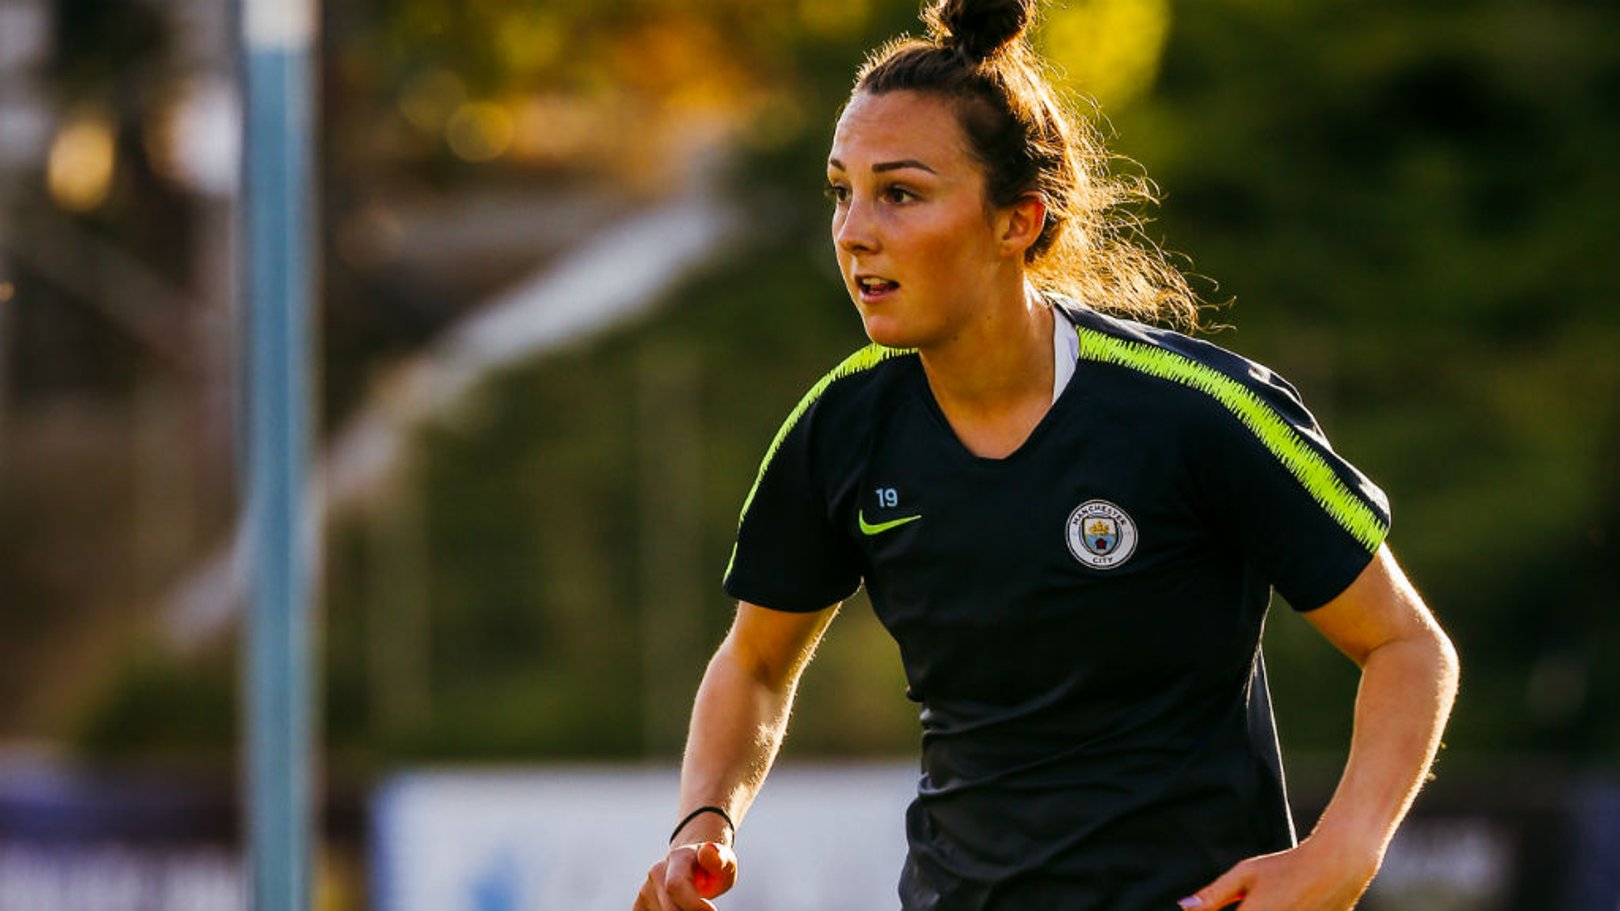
1379	607
774	645
1268	482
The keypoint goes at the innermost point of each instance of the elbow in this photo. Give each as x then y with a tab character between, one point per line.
1426	656
1448	666
1431	661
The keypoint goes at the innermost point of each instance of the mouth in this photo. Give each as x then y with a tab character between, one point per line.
873	288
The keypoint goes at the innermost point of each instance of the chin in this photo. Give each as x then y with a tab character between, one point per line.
887	332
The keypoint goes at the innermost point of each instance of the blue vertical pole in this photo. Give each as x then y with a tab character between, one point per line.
278	36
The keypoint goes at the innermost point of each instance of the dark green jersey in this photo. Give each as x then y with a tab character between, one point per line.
1080	620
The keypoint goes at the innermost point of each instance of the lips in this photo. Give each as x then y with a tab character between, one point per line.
875	287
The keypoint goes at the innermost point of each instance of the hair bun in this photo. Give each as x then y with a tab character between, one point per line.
979	28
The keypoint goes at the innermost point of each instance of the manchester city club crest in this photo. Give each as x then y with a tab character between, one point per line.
1101	535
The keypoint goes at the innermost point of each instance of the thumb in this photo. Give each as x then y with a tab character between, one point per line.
716	869
1229	888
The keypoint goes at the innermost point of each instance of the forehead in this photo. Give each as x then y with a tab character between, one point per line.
895	126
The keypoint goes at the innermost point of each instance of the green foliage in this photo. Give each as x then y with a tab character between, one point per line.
530	507
158	708
1406	206
1413	207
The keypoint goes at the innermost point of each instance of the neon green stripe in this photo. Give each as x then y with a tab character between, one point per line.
1276	434
864	359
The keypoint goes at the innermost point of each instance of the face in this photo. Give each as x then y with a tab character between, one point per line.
916	244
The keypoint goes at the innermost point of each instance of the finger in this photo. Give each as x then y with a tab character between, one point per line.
706	883
682	895
645	900
668	901
655	891
679	890
716	869
1228	889
652	891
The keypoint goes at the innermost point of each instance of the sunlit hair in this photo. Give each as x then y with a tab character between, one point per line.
1027	140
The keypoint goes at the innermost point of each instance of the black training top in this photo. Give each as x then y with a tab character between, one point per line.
1080	620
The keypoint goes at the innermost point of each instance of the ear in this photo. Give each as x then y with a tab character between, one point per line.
1021	223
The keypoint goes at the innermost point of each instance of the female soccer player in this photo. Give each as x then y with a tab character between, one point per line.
1070	521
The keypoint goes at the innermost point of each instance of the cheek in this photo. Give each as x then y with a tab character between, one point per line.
951	247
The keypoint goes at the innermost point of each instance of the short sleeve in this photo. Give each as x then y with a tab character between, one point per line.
788	555
1306	518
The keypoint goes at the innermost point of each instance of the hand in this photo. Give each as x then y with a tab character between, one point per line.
1305	878
688	877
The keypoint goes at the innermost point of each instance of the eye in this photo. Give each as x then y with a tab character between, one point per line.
898	194
838	193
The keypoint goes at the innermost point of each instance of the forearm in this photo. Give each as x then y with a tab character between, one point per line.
1406	692
738	720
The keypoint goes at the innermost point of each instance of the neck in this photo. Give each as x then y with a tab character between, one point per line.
1000	361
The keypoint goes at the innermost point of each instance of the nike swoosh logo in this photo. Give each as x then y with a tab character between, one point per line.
881	527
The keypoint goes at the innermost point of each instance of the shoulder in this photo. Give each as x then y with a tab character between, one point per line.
839	406
1178	375
866	367
1233	413
1155	353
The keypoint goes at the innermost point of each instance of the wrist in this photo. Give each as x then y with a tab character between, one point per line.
697	834
1361	857
705	824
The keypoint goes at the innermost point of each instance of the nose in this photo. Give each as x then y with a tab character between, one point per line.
853	229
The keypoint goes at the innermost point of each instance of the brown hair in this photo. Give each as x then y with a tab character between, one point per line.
1028	141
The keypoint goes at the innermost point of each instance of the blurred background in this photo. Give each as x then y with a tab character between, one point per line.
575	269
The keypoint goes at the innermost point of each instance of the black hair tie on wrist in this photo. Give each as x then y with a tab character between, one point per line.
699	812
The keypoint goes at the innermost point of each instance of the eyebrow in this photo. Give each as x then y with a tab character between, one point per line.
882	166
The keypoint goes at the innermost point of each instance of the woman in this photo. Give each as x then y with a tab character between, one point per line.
1071	522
